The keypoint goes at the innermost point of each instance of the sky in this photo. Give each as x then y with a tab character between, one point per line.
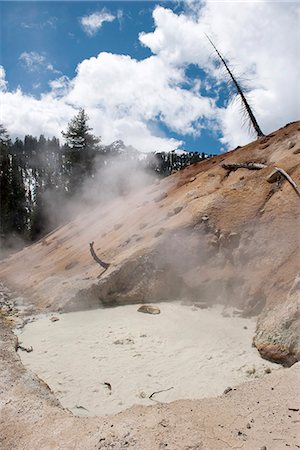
145	72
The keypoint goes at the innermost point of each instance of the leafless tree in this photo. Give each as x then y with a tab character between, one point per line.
245	103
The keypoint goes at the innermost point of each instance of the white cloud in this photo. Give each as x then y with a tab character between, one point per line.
3	82
93	22
260	39
34	61
127	99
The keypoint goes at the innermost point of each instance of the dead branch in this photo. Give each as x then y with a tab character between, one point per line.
24	349
289	179
245	103
98	260
248	165
158	392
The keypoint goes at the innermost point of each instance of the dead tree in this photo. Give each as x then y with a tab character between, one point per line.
245	103
98	260
247	165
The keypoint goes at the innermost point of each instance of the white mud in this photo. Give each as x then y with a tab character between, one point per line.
103	361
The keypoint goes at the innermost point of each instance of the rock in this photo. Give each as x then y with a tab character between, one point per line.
291	144
228	389
192	179
277	336
248	426
149	309
296	151
54	319
263	447
205	218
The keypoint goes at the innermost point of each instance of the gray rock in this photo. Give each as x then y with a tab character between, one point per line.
149	309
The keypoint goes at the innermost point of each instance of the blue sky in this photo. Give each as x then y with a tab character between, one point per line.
46	41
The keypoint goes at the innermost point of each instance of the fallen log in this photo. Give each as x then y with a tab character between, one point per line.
95	257
247	165
289	179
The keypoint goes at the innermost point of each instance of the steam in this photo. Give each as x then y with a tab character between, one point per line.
116	179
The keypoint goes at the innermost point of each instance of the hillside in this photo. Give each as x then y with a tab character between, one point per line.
205	234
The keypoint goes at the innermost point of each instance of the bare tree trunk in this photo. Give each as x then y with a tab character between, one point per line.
246	105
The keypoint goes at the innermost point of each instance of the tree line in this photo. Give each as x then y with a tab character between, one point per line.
32	169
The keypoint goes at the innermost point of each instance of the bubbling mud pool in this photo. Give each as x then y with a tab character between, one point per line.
103	361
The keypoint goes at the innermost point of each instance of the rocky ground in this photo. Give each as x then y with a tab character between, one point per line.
208	234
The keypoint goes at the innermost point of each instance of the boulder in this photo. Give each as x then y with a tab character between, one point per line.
149	309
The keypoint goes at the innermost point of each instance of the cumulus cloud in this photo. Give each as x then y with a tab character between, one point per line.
260	40
128	99
93	22
34	61
124	98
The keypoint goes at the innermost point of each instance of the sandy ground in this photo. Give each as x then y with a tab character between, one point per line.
185	351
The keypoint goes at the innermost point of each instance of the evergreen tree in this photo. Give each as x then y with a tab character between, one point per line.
12	189
5	182
80	150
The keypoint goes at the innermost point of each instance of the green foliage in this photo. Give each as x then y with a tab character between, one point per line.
12	189
80	151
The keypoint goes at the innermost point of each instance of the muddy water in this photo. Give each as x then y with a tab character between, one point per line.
103	361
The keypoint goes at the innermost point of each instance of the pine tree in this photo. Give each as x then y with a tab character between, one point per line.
80	151
12	189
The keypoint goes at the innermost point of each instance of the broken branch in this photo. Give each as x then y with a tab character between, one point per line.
98	260
158	392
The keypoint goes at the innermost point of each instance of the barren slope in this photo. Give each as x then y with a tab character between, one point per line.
203	234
